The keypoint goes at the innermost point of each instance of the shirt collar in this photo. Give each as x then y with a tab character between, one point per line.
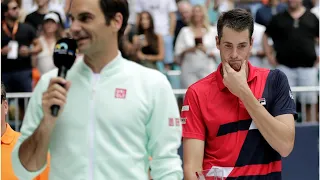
252	75
8	136
111	68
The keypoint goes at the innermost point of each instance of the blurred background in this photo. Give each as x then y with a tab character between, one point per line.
160	35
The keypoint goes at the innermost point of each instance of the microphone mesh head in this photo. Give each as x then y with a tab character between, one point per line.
65	53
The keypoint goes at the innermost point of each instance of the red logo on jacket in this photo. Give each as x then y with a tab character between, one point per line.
120	93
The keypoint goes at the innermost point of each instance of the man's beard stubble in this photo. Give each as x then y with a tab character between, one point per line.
12	18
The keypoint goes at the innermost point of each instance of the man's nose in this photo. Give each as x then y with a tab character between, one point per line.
234	53
75	27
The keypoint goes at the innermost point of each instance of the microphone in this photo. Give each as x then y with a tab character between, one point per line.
64	56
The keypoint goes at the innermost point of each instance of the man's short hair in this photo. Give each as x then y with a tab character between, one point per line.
4	4
184	2
111	7
236	19
3	92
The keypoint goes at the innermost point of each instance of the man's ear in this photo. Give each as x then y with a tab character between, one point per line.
116	22
251	43
217	42
6	106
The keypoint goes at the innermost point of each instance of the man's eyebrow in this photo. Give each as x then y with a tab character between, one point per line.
85	14
80	15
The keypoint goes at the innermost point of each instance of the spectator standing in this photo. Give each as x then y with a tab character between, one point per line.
196	48
35	19
164	15
265	13
185	12
61	6
18	44
149	44
52	31
42	8
294	33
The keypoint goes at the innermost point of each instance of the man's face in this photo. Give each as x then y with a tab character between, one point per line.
294	4
186	12
89	26
13	11
234	47
41	3
273	2
4	110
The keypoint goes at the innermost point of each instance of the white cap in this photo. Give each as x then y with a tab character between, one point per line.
52	16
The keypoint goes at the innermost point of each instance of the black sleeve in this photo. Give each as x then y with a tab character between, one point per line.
27	20
283	100
258	17
316	31
272	27
31	32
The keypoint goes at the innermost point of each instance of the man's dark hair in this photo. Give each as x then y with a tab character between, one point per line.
111	7
3	92
151	37
236	19
4	6
5	3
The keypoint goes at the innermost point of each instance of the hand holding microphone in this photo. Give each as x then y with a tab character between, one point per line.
54	99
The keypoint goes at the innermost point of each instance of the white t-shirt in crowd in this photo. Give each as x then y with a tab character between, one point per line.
160	10
45	57
186	40
258	46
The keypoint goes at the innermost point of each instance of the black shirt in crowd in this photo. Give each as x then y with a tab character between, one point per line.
35	19
180	24
294	40
24	36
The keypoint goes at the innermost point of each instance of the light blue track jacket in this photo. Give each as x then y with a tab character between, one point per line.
112	122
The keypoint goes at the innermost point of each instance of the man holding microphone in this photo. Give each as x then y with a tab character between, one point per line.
113	115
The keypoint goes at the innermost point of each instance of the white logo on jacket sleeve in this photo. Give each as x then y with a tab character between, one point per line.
263	101
183	120
290	94
185	108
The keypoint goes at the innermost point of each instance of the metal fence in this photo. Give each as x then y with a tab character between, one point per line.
15	121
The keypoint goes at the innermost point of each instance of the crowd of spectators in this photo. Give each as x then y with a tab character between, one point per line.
166	35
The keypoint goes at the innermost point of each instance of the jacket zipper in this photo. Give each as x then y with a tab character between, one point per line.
96	78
